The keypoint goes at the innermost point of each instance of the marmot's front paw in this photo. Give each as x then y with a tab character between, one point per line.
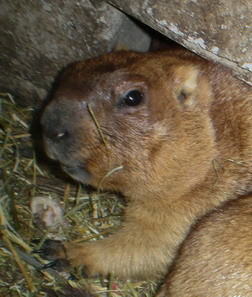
54	251
58	264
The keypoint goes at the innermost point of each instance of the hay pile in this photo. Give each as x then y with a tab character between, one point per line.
24	175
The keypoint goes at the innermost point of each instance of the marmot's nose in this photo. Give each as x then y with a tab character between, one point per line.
55	134
54	127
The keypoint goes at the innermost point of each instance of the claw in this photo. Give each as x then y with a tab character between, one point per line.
52	264
50	250
41	251
59	265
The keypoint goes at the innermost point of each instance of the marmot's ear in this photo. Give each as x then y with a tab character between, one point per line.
186	84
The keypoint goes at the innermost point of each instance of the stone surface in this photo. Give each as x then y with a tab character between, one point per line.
38	38
219	30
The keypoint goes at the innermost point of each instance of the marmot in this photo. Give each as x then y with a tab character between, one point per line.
170	131
216	257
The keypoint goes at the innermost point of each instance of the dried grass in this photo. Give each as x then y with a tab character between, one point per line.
88	215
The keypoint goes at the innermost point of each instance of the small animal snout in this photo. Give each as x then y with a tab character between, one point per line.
55	134
54	126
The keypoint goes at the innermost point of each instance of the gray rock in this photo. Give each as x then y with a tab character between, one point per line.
39	38
218	30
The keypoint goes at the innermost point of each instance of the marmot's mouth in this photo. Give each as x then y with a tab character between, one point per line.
77	172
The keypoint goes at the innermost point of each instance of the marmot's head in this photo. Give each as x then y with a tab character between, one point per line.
128	120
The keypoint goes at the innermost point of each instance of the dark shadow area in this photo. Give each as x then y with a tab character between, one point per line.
36	132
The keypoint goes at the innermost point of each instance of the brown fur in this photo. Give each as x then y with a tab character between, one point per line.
216	258
185	150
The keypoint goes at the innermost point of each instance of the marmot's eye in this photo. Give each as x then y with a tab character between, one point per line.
132	98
